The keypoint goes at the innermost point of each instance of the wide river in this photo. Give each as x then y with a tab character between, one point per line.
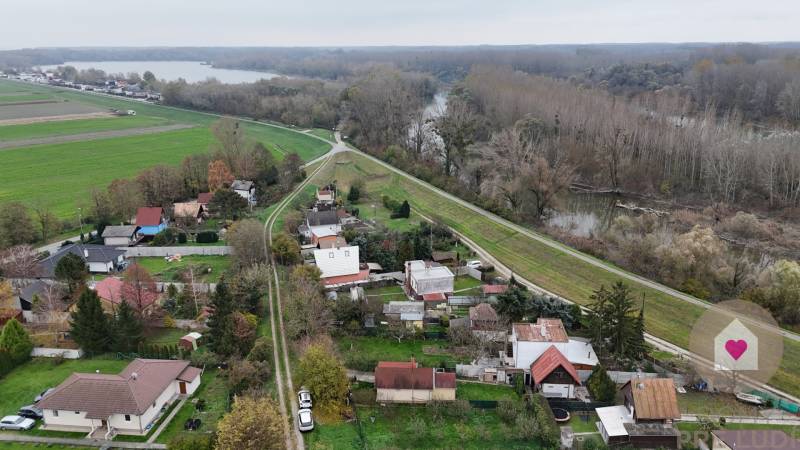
191	71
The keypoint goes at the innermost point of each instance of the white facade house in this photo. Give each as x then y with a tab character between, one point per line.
120	235
336	262
126	403
423	278
245	188
530	340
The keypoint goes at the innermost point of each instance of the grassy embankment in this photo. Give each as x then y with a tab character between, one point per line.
551	268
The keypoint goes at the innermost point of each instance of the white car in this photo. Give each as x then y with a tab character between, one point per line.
475	264
304	420
304	399
20	423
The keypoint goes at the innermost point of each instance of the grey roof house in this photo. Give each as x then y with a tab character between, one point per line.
98	258
120	235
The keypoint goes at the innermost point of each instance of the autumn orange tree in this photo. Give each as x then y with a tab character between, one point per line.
219	175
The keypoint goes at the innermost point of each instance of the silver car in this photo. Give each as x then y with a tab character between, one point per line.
304	420
304	399
20	423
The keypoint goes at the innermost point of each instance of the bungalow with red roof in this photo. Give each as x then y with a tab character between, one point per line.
406	382
151	220
204	198
553	375
126	403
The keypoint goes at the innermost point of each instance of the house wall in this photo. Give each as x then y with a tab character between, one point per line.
403	396
68	420
558	390
101	267
116	241
446	394
422	286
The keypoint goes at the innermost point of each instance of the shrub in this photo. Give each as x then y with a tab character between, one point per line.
207	237
190	442
169	322
181	237
164	238
508	410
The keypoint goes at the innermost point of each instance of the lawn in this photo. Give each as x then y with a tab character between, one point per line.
388	294
25	446
324	134
163	270
465	283
479	391
212	389
405	426
66	127
61	176
547	266
791	430
27	381
714	404
583	423
373	349
164	336
24	97
383	216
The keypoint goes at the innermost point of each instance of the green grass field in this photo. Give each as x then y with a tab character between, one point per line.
212	389
62	175
163	270
25	382
480	391
24	97
666	317
67	127
388	349
23	446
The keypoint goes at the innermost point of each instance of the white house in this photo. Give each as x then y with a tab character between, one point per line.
530	340
126	403
320	224
245	188
120	235
423	278
98	258
340	266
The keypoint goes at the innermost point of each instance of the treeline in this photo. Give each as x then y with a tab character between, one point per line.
300	102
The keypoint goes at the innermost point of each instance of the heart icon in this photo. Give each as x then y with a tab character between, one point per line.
736	348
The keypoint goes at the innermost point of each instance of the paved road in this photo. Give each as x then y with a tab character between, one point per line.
96	443
4	145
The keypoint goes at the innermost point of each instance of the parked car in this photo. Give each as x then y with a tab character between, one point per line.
304	420
304	398
41	396
30	412
21	423
474	264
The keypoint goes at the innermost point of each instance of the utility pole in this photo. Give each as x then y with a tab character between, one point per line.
80	221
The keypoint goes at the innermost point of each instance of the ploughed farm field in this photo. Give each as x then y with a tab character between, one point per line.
666	317
61	175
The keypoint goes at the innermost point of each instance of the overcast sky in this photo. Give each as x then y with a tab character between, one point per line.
51	23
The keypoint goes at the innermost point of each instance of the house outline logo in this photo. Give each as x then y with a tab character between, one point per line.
735	348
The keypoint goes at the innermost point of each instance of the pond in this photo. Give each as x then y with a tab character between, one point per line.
191	71
585	215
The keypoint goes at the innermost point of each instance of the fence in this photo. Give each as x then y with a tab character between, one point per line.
211	250
198	287
46	352
483	404
793	408
463	300
576	405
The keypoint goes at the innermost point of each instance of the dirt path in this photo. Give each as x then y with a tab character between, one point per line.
59	118
294	439
91	136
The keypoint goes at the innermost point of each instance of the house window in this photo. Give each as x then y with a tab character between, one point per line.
77	412
330	255
127	417
347	253
55	413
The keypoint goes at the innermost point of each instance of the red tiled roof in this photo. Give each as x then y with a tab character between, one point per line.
189	374
148	216
204	197
434	297
398	364
549	361
112	289
343	279
544	330
404	378
483	312
445	380
491	289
